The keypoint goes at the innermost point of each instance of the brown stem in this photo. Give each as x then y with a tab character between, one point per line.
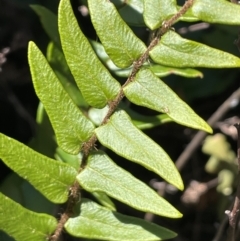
169	23
233	215
74	197
89	145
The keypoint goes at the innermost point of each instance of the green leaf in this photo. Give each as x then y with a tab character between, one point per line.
101	174
217	11
59	65
121	44
104	200
131	12
49	22
57	60
149	91
71	127
121	136
22	224
143	121
188	16
101	53
43	140
72	160
22	192
96	222
140	121
157	11
175	51
93	79
52	178
162	71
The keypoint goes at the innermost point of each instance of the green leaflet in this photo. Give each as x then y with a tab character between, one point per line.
71	127
59	65
104	200
131	12
43	140
121	136
217	11
162	71
157	11
140	121
149	91
159	70
188	16
50	177
96	222
49	22
22	224
175	51
121	44
101	174
93	79
72	160
22	192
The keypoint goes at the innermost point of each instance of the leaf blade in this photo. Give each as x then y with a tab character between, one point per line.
23	224
157	11
100	175
93	79
119	41
127	141
76	128
50	177
149	91
96	222
175	51
162	71
216	11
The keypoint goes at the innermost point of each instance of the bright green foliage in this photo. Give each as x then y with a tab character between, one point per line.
162	71
96	222
57	61
104	200
93	79
131	11
217	11
119	41
148	90
159	70
176	51
71	127
78	91
102	174
50	177
188	16
157	11
22	224
121	136
141	121
72	160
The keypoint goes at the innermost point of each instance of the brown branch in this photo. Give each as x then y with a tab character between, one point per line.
74	197
89	145
196	141
233	215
